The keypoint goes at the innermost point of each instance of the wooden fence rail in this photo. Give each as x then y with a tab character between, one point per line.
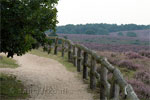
79	56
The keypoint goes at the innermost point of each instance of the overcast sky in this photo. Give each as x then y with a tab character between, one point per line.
103	11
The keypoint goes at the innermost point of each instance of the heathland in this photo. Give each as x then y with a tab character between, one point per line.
127	48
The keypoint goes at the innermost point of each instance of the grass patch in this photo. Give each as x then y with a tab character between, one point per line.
8	63
126	72
64	61
10	88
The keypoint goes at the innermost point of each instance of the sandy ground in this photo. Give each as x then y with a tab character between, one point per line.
47	79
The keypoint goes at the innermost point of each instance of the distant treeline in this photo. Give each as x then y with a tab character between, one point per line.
98	29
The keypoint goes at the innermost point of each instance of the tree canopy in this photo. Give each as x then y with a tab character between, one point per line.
23	23
98	29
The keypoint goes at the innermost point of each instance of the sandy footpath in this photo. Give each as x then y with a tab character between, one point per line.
47	79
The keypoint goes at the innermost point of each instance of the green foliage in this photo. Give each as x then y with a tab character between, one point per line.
98	29
7	63
23	23
11	89
120	34
131	34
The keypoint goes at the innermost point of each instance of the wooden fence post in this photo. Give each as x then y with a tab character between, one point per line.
114	90
104	85
85	69
49	45
70	53
63	48
56	46
45	48
74	56
49	49
79	60
92	73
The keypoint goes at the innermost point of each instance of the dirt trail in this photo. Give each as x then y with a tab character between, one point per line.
47	79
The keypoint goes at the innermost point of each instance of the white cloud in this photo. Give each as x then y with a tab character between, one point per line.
103	11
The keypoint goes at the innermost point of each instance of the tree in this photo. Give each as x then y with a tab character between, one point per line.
23	23
98	29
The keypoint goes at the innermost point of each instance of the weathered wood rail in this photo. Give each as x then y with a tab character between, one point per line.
114	88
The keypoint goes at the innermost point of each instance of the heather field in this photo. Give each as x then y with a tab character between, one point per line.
130	54
113	42
135	68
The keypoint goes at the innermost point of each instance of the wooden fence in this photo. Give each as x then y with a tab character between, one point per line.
112	84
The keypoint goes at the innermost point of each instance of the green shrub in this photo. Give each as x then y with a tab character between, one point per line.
120	34
131	34
65	37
